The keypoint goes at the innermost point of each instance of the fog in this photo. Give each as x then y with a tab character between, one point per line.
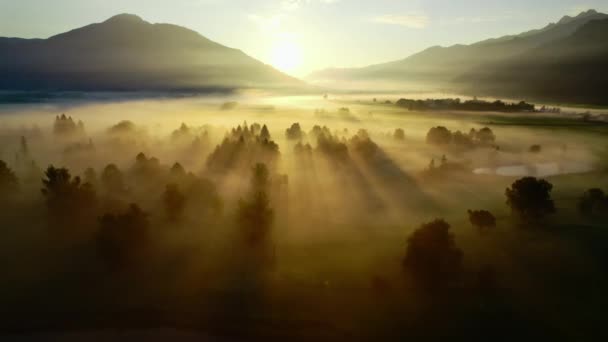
239	209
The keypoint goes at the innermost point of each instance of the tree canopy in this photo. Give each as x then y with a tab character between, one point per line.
530	198
432	258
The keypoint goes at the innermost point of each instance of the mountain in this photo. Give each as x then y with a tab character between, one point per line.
572	69
439	67
128	53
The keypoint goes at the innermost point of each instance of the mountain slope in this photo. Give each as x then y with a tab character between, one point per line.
128	53
572	69
439	66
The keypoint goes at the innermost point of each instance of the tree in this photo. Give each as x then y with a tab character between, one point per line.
264	133
485	136
294	132
177	171
530	198
112	180
482	219
122	238
174	201
535	149
67	199
594	202
254	214
432	258
90	176
255	218
9	184
260	179
399	134
439	136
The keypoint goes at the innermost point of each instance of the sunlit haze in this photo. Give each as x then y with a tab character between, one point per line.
321	33
303	170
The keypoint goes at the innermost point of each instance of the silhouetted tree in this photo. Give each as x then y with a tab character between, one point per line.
174	202
261	178
302	150
177	171
67	199
485	136
90	176
594	202
294	132
182	132
112	180
9	184
462	140
439	136
123	127
264	133
203	197
482	219
530	198
122	238
364	146
23	147
254	213
332	147
146	169
432	258
255	218
399	134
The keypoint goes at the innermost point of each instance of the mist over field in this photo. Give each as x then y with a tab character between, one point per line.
167	216
303	170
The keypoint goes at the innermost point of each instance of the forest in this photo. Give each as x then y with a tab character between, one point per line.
303	225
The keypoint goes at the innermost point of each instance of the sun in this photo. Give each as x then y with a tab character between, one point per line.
286	56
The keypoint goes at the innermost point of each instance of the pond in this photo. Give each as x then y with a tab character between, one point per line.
536	169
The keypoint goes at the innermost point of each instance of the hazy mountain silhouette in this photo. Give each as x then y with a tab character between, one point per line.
128	53
572	69
440	67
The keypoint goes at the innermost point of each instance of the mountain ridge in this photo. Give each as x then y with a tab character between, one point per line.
125	52
443	58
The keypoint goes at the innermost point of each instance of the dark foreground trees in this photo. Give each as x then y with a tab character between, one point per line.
122	238
174	201
593	203
9	184
432	259
68	200
254	219
530	198
254	214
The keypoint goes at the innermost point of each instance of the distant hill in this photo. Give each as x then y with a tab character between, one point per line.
572	69
454	67
128	53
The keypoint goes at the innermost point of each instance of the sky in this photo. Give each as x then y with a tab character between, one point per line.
300	36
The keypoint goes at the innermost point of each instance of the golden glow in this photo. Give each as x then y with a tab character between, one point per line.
286	55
